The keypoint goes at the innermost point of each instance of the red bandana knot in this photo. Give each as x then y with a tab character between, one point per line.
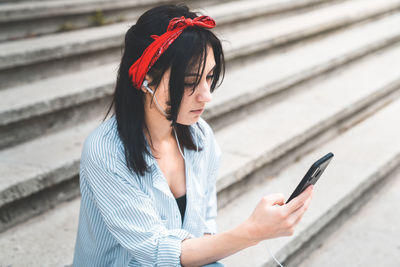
176	26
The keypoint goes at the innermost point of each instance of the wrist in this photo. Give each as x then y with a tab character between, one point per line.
246	231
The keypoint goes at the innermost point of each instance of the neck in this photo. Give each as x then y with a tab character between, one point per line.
159	128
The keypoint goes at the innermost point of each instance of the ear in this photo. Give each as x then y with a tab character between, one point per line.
147	77
144	90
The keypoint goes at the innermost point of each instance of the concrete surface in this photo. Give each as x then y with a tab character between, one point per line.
369	238
364	155
47	240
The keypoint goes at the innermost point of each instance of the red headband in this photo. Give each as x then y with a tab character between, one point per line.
176	26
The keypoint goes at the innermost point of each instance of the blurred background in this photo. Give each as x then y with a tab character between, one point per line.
304	78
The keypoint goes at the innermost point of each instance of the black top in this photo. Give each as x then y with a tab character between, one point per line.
182	205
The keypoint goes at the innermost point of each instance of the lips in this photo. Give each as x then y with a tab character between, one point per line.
197	111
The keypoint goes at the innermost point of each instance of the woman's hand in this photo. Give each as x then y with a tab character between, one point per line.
273	218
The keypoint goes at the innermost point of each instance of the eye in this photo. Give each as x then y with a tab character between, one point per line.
210	76
188	84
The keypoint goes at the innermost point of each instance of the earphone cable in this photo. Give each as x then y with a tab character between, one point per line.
272	255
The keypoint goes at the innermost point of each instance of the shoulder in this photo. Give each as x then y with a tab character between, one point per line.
102	145
208	137
103	160
204	129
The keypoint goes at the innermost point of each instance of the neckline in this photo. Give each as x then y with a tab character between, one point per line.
181	197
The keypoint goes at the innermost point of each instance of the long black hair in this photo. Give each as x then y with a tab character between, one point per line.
187	50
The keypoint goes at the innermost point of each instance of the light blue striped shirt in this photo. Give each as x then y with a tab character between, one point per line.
130	220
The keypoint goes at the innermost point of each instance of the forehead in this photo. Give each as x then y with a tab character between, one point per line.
210	63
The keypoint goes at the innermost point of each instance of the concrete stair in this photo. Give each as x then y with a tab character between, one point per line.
80	92
96	45
349	176
57	54
345	77
376	221
46	17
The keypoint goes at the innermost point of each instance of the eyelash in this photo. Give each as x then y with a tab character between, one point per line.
192	84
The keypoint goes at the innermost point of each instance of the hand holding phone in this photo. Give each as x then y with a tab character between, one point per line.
266	221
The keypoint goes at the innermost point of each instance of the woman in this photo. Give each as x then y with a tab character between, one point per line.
148	173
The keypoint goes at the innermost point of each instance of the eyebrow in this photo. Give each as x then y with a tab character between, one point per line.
194	74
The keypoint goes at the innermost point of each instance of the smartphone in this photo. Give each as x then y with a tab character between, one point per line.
312	175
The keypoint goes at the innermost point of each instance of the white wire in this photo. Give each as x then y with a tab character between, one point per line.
272	255
176	137
197	146
158	105
145	84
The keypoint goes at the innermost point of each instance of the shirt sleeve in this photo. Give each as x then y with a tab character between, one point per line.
128	212
211	210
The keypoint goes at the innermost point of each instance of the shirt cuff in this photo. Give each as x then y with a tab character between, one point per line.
169	248
210	227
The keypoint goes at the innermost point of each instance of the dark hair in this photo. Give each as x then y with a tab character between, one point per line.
187	50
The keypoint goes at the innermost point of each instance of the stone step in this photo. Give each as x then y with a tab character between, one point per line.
320	110
370	237
57	54
271	34
46	240
40	173
364	156
99	45
47	17
54	104
44	109
47	174
49	239
263	78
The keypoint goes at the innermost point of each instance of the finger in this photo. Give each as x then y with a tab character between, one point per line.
275	199
298	201
298	214
308	200
298	219
279	202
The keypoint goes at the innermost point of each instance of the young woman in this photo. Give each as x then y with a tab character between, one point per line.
148	173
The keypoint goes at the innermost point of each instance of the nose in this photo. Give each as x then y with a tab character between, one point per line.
204	94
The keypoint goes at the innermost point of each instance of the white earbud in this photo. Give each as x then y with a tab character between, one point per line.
145	84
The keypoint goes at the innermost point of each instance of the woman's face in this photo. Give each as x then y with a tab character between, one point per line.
193	104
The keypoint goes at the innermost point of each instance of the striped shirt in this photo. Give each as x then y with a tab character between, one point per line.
130	220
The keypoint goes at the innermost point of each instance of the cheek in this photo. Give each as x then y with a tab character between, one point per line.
186	102
162	96
185	107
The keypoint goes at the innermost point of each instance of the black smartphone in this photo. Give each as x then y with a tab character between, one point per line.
312	175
